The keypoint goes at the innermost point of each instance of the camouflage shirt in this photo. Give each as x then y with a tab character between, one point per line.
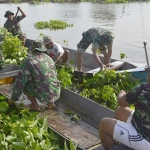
140	97
98	35
16	29
38	78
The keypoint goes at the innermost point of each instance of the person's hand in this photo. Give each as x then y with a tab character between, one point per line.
10	101
103	67
122	92
19	8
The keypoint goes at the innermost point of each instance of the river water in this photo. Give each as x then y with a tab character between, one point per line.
130	23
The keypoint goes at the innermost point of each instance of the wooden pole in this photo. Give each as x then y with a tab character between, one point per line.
146	53
147	68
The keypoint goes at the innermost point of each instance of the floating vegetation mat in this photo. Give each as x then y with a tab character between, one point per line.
52	25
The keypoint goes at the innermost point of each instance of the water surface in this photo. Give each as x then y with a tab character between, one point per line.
130	23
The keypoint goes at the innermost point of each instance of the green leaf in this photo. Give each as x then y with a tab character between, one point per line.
65	146
3	98
10	138
33	123
14	118
18	145
72	146
4	106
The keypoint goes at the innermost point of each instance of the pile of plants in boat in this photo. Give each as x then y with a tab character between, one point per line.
23	130
102	88
11	48
52	25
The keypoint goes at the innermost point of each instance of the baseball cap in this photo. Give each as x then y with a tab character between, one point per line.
47	39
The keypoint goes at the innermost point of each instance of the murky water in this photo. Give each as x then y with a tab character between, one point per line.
130	23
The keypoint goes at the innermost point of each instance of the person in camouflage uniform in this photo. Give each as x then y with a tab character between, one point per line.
37	78
12	24
130	127
100	39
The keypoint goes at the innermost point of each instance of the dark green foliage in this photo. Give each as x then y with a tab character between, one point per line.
102	88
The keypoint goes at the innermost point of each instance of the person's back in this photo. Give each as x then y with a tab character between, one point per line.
101	39
37	78
45	74
98	35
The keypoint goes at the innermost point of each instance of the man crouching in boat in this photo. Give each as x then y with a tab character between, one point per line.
55	51
37	79
100	39
130	127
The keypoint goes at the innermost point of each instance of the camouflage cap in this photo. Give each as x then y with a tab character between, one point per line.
8	12
38	45
47	39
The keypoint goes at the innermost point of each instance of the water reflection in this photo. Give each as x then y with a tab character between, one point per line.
103	12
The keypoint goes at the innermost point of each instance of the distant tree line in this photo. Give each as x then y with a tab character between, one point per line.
61	1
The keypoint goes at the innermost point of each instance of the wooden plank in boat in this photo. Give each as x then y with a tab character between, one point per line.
86	106
80	133
7	90
115	65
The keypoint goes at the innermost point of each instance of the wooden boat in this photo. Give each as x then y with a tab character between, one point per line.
90	66
84	133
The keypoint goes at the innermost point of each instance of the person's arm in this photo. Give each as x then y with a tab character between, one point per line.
131	97
23	14
97	59
79	61
121	99
109	54
147	69
59	56
59	51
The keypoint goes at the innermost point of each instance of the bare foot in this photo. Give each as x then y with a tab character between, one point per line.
51	105
32	107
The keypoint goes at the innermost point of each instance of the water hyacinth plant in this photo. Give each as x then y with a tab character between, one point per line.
52	25
11	48
21	129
